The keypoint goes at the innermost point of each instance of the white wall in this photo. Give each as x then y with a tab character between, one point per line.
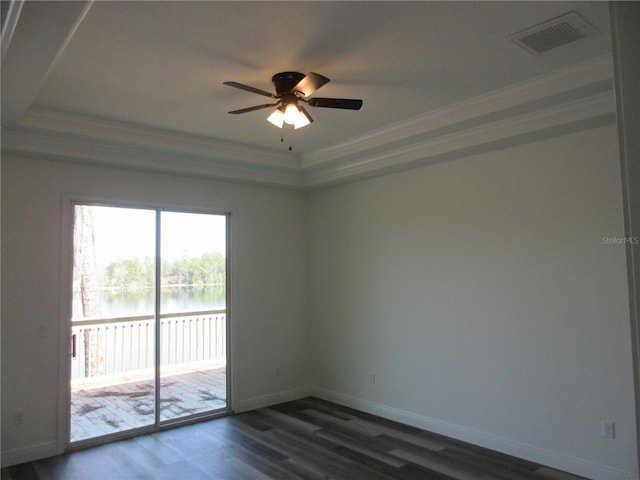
480	293
269	285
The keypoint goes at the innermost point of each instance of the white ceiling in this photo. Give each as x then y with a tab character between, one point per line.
105	82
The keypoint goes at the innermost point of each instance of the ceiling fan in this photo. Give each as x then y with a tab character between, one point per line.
292	88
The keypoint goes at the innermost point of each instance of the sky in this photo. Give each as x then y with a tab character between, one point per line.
124	233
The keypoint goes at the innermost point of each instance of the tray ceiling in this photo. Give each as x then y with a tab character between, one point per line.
141	82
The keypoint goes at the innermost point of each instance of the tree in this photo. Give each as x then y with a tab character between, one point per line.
87	270
130	274
133	274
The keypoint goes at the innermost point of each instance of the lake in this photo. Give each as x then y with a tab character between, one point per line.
173	300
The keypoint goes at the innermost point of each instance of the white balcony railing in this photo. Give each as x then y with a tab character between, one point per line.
126	344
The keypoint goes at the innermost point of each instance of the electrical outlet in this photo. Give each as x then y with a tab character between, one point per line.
278	372
608	430
372	378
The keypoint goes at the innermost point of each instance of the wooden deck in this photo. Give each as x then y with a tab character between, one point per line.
110	407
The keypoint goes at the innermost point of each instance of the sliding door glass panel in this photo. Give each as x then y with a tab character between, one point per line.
113	321
192	314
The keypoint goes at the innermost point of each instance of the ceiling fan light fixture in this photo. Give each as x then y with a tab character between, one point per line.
291	114
292	87
303	120
276	118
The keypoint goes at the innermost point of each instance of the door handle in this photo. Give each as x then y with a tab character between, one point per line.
73	346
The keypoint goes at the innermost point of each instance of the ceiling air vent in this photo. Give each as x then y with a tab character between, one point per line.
554	33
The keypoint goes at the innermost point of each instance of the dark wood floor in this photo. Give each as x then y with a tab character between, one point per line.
305	439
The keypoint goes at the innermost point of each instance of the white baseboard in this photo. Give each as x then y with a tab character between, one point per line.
271	399
28	454
556	460
548	458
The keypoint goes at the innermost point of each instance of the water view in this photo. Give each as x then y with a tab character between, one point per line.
142	302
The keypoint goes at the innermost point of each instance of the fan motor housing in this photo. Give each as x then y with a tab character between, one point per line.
285	81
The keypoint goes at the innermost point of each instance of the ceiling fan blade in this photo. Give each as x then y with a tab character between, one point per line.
251	109
310	83
346	103
242	86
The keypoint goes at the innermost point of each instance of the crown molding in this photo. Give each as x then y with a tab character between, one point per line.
88	151
523	127
32	50
10	24
149	138
537	88
445	133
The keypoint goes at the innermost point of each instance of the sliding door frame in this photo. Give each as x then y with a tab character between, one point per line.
68	203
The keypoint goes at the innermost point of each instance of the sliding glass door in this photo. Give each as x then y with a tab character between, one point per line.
192	314
113	327
149	323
